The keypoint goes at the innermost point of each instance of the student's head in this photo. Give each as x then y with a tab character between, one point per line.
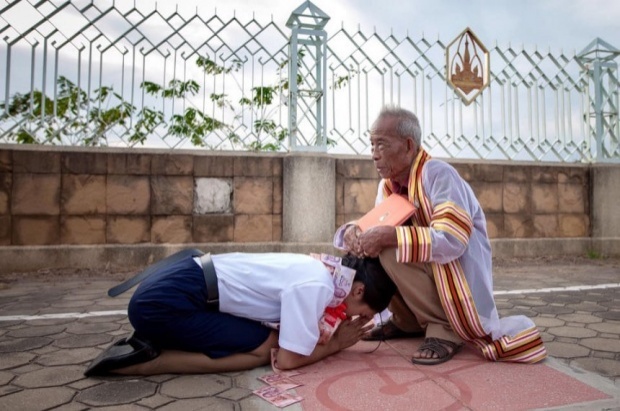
372	289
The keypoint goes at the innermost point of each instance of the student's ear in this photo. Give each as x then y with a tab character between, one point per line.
358	290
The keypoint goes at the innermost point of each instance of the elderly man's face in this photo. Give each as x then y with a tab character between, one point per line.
391	153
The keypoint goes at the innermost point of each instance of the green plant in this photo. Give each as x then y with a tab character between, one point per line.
43	120
74	117
594	255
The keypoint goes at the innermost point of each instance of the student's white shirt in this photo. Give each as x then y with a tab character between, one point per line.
293	289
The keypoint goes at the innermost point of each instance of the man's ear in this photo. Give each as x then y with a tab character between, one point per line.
411	146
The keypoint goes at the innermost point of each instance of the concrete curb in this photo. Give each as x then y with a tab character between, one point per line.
131	256
591	379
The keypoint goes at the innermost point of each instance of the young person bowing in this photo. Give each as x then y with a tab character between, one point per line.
201	313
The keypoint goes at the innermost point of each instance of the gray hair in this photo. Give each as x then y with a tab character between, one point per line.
407	124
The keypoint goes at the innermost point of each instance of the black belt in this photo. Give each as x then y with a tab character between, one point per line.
208	271
213	295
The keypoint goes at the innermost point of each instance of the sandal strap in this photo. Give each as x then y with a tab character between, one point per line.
439	346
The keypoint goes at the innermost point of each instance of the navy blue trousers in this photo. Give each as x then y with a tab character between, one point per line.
170	309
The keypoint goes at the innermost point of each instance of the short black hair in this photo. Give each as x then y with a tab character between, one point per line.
378	287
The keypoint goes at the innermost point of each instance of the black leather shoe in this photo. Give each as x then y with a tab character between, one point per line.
389	331
123	353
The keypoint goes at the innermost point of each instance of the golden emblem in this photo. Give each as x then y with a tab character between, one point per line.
467	65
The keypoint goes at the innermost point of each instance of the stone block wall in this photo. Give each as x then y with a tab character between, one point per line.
78	196
520	200
51	197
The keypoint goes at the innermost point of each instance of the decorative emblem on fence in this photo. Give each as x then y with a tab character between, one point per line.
467	65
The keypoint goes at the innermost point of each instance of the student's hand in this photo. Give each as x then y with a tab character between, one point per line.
375	239
351	240
350	331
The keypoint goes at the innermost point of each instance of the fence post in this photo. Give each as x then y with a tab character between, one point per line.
598	59
307	104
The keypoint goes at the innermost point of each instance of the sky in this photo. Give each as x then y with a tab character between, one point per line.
569	25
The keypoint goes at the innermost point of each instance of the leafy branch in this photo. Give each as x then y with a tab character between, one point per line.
76	117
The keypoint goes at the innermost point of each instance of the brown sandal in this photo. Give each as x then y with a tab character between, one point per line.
389	331
439	347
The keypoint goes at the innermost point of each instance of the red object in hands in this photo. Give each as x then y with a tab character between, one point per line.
338	311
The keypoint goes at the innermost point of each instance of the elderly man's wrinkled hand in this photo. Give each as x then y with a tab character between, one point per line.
352	240
375	239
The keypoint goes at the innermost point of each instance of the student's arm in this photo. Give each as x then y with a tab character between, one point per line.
348	333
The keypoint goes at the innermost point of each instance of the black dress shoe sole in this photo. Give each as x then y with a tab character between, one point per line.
392	336
123	353
388	331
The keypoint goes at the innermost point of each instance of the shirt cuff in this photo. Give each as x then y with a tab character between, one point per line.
414	244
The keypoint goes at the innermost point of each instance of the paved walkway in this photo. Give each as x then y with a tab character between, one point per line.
53	323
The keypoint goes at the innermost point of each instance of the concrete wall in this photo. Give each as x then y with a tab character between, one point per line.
97	206
605	209
51	196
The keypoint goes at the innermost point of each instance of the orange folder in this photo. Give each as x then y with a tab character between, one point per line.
392	211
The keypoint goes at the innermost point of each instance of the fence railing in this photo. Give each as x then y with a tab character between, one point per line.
118	74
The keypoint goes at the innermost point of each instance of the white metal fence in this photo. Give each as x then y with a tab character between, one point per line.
105	73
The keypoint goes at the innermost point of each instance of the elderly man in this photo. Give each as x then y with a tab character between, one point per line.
441	261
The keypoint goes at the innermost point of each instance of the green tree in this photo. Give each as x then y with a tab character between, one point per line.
74	117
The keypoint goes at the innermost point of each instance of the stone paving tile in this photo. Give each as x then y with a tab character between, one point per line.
612	327
36	399
6	377
528	302
235	394
615	303
155	401
93	328
602	344
192	386
161	378
40	331
74	406
114	393
84	383
566	350
48	349
26	369
15	359
80	341
561	298
580	328
24	344
214	404
50	377
68	357
571	332
543	321
609	368
580	318
50	322
553	309
609	315
7	389
124	407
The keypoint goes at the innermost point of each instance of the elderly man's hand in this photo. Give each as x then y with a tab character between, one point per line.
351	240
375	239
